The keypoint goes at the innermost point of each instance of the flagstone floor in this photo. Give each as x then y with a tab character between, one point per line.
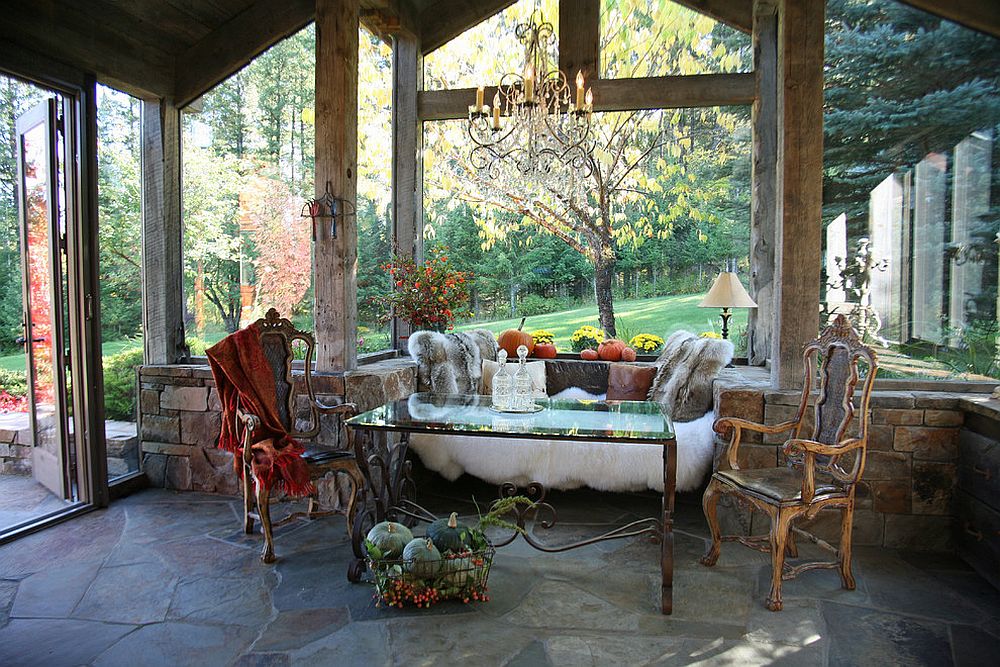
169	579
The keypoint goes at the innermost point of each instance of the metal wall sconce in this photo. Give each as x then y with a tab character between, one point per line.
327	207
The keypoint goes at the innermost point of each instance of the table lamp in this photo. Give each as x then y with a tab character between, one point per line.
727	292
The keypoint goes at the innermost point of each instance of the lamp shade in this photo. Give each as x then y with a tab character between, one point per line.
727	292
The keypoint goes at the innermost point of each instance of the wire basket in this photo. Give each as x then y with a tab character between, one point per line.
399	582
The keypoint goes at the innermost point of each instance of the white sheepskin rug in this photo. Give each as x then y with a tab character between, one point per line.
570	465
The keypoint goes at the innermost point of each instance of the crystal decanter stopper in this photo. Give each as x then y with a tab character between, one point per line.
522	382
503	384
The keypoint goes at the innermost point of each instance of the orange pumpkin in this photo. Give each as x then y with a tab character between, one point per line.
511	339
628	354
611	349
588	354
545	351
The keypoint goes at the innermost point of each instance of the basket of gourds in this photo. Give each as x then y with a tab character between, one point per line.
452	561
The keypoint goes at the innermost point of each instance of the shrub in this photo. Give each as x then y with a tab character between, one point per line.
646	343
119	383
535	304
14	383
587	337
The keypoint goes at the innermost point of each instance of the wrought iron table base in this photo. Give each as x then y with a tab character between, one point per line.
390	492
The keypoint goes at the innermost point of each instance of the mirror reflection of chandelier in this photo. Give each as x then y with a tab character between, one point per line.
538	128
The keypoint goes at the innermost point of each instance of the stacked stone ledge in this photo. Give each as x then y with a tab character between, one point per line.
180	416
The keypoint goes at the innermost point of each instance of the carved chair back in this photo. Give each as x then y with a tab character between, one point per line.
278	336
842	361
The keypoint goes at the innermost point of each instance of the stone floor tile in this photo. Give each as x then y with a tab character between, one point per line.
294	629
800	623
597	651
866	636
54	594
225	600
973	647
196	557
178	645
555	604
47	642
8	589
454	640
532	655
87	538
357	645
128	594
263	660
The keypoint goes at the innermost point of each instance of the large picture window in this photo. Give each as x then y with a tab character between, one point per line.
912	187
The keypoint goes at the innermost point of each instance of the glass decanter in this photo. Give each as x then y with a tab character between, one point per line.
522	382
503	384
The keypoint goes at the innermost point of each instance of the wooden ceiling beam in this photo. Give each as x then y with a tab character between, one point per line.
661	92
443	20
734	13
580	38
232	45
980	15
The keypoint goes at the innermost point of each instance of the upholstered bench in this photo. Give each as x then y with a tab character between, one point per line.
448	363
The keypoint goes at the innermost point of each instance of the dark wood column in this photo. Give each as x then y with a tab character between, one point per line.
580	38
162	268
764	177
407	144
335	260
800	178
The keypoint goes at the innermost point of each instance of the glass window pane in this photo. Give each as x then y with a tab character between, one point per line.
912	186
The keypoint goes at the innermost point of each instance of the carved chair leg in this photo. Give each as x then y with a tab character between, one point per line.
248	500
709	503
264	511
844	552
791	548
780	523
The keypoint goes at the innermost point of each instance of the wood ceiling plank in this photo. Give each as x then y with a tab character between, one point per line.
981	15
443	20
734	13
233	44
171	26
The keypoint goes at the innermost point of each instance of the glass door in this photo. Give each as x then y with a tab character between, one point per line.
41	216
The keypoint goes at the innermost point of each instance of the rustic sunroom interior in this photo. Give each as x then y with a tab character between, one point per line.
125	540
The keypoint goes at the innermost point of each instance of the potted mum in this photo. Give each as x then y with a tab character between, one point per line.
427	295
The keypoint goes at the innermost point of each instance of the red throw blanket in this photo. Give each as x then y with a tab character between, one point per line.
244	379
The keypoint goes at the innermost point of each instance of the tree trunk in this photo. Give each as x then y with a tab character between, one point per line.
604	276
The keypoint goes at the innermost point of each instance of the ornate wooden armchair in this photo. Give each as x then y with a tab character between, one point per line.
822	472
278	336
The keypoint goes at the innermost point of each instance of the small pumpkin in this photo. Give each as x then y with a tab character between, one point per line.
425	559
628	354
390	538
460	572
588	354
545	351
611	349
511	339
448	534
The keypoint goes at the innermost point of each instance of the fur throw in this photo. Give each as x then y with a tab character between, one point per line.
451	363
570	465
688	365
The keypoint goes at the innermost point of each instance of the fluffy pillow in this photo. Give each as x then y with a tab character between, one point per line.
688	366
536	371
629	383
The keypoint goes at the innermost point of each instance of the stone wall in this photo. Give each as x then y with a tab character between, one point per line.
15	444
906	497
180	417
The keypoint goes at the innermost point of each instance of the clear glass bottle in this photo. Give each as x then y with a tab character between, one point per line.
502	384
522	382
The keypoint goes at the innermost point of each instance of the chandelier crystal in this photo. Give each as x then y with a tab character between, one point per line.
538	130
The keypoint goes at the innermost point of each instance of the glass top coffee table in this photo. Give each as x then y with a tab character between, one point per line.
391	491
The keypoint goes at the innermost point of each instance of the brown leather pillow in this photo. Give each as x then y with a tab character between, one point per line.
629	383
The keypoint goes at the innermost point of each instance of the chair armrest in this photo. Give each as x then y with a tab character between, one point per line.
248	420
811	449
249	423
347	410
738	426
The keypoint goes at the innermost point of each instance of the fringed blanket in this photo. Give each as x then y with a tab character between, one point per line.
245	381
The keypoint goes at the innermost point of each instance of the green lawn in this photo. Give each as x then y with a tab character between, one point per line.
15	362
661	316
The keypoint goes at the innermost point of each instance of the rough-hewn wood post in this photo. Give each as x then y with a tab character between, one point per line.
764	204
407	142
800	178
335	261
162	270
580	38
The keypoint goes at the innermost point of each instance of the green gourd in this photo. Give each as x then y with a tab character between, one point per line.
425	559
460	572
390	538
449	535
